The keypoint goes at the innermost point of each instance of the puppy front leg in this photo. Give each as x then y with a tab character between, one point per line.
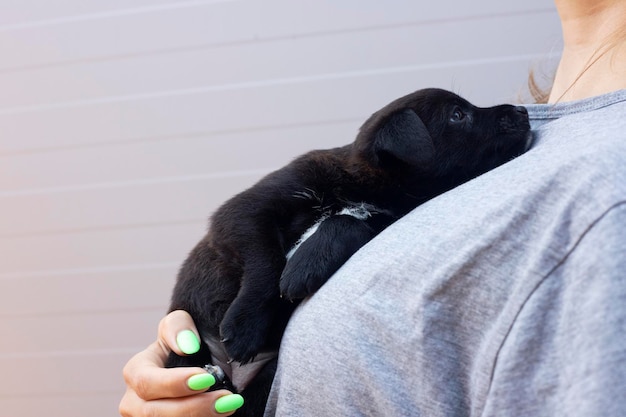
248	323
321	255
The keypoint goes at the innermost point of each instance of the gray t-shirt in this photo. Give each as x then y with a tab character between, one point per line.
503	297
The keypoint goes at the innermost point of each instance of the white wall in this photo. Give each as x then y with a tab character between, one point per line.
124	123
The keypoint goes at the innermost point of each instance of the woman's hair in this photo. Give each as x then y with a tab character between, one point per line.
538	94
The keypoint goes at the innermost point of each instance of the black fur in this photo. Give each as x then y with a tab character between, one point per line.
412	150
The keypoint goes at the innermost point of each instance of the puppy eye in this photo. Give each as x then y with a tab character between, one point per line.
457	115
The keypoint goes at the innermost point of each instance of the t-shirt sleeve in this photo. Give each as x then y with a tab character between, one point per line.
566	352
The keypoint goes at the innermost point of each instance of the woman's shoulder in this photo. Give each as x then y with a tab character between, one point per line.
582	139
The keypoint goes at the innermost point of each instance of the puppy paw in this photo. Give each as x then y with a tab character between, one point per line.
299	283
322	254
244	331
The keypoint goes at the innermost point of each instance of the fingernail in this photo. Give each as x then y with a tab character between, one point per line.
188	342
201	382
228	403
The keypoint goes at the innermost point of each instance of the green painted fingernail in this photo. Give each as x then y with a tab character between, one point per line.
228	403
188	342
201	382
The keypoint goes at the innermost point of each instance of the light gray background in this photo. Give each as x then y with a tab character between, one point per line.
124	124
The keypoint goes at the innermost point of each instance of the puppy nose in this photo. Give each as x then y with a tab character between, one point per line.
513	118
522	110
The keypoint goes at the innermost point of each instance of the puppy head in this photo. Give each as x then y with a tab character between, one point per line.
436	133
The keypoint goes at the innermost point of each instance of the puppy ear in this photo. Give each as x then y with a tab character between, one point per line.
404	137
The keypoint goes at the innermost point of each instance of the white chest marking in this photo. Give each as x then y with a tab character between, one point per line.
307	234
360	211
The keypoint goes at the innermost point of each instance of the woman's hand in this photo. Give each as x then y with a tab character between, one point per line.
152	390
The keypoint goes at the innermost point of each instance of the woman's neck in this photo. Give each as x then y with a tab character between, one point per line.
594	53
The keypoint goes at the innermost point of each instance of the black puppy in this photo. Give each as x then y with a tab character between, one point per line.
280	240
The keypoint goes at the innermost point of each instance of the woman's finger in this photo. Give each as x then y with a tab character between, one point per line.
145	375
201	405
178	333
